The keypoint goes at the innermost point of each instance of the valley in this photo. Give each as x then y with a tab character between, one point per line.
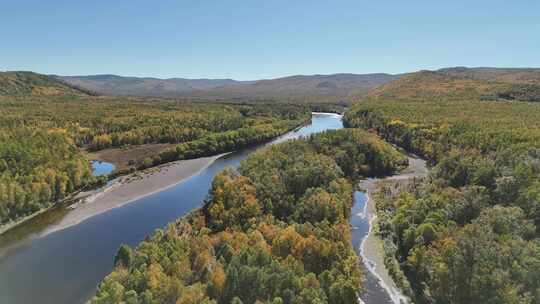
205	196
270	152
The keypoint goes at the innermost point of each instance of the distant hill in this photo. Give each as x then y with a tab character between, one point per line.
449	83
506	75
345	85
432	85
340	85
29	83
137	86
463	84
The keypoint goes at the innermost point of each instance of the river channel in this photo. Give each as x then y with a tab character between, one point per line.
65	266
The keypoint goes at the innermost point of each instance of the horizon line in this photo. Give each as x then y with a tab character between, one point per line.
268	78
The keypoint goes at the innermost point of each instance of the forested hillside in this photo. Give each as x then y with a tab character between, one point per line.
444	85
470	233
276	231
43	139
298	88
508	75
460	82
29	83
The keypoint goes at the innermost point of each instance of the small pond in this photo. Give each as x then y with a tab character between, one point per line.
100	168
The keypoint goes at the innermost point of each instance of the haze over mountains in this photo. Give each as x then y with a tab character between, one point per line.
342	85
457	82
338	86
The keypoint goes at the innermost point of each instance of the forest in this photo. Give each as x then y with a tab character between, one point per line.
470	232
274	231
44	139
443	85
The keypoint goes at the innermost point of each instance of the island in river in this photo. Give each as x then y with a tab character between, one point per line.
371	247
88	247
286	205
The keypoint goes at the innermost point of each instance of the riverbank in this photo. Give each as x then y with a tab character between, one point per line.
13	224
137	185
118	192
124	158
79	257
129	188
371	248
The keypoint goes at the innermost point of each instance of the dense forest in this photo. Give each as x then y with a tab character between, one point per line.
470	232
30	83
44	139
38	167
441	85
275	231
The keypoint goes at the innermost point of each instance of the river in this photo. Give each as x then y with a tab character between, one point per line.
65	266
373	293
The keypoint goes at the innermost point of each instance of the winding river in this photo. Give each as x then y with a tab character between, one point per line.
374	293
65	266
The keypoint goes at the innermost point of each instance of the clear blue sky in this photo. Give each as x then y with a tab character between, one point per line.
253	39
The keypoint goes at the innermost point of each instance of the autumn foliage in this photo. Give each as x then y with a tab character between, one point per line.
470	232
276	231
43	138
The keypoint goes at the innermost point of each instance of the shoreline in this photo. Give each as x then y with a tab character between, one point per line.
14	224
130	188
371	247
372	252
327	113
76	216
117	193
8	226
79	210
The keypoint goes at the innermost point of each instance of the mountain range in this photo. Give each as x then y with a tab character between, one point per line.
457	83
344	86
30	83
337	85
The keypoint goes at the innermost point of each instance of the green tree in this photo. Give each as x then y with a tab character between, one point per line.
124	257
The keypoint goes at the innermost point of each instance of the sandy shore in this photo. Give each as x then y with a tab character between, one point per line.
371	248
19	221
129	188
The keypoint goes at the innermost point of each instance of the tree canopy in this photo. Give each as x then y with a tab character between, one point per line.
44	139
276	231
470	232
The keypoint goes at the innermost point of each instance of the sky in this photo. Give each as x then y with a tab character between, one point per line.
252	39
